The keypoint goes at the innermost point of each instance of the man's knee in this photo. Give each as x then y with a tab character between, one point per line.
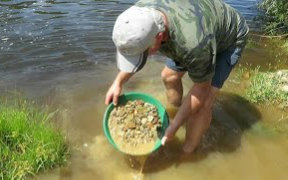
203	97
168	76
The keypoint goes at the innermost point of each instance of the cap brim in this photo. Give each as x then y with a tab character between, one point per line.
131	64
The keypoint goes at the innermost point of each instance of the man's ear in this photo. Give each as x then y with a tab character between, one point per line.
160	36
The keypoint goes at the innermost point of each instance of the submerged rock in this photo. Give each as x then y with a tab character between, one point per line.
285	88
282	72
283	77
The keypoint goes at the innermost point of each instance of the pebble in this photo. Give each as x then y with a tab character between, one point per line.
285	88
284	79
144	120
282	72
132	122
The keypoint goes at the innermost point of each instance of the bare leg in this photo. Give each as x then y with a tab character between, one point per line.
173	84
198	123
195	100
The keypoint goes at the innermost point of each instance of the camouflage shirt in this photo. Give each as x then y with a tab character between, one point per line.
198	30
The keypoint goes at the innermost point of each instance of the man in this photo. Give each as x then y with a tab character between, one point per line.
203	37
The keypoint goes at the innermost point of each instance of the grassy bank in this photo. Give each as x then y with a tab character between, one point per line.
266	87
28	142
266	83
275	16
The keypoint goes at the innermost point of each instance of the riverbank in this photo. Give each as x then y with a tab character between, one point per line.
266	81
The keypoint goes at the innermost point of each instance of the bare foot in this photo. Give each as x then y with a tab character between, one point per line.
185	157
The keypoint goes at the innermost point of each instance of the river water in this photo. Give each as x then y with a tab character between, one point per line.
61	53
45	42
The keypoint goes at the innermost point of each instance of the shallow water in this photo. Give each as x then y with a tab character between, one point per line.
61	53
235	147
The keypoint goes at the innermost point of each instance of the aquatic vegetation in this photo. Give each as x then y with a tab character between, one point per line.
275	16
274	128
281	126
28	142
269	87
285	47
243	71
252	42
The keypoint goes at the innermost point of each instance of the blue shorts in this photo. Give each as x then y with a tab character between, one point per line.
225	61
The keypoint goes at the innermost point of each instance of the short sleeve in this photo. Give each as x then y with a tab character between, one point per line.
202	66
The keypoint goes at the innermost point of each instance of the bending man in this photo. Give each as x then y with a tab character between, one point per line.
204	38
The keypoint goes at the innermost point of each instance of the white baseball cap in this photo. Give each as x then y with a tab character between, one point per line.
134	32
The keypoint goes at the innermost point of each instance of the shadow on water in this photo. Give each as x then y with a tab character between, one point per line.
232	115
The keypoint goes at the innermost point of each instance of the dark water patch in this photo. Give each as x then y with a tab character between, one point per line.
43	12
55	17
57	2
20	5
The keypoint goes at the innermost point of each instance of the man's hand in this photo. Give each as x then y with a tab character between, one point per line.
171	131
113	93
115	90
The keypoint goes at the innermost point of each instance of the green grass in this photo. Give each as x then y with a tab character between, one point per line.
265	87
28	142
275	16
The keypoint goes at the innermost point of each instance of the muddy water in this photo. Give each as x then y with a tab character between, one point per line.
237	146
61	53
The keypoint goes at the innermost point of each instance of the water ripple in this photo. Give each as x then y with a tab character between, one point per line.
54	35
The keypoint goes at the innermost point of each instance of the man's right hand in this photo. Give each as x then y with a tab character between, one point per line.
116	88
113	93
